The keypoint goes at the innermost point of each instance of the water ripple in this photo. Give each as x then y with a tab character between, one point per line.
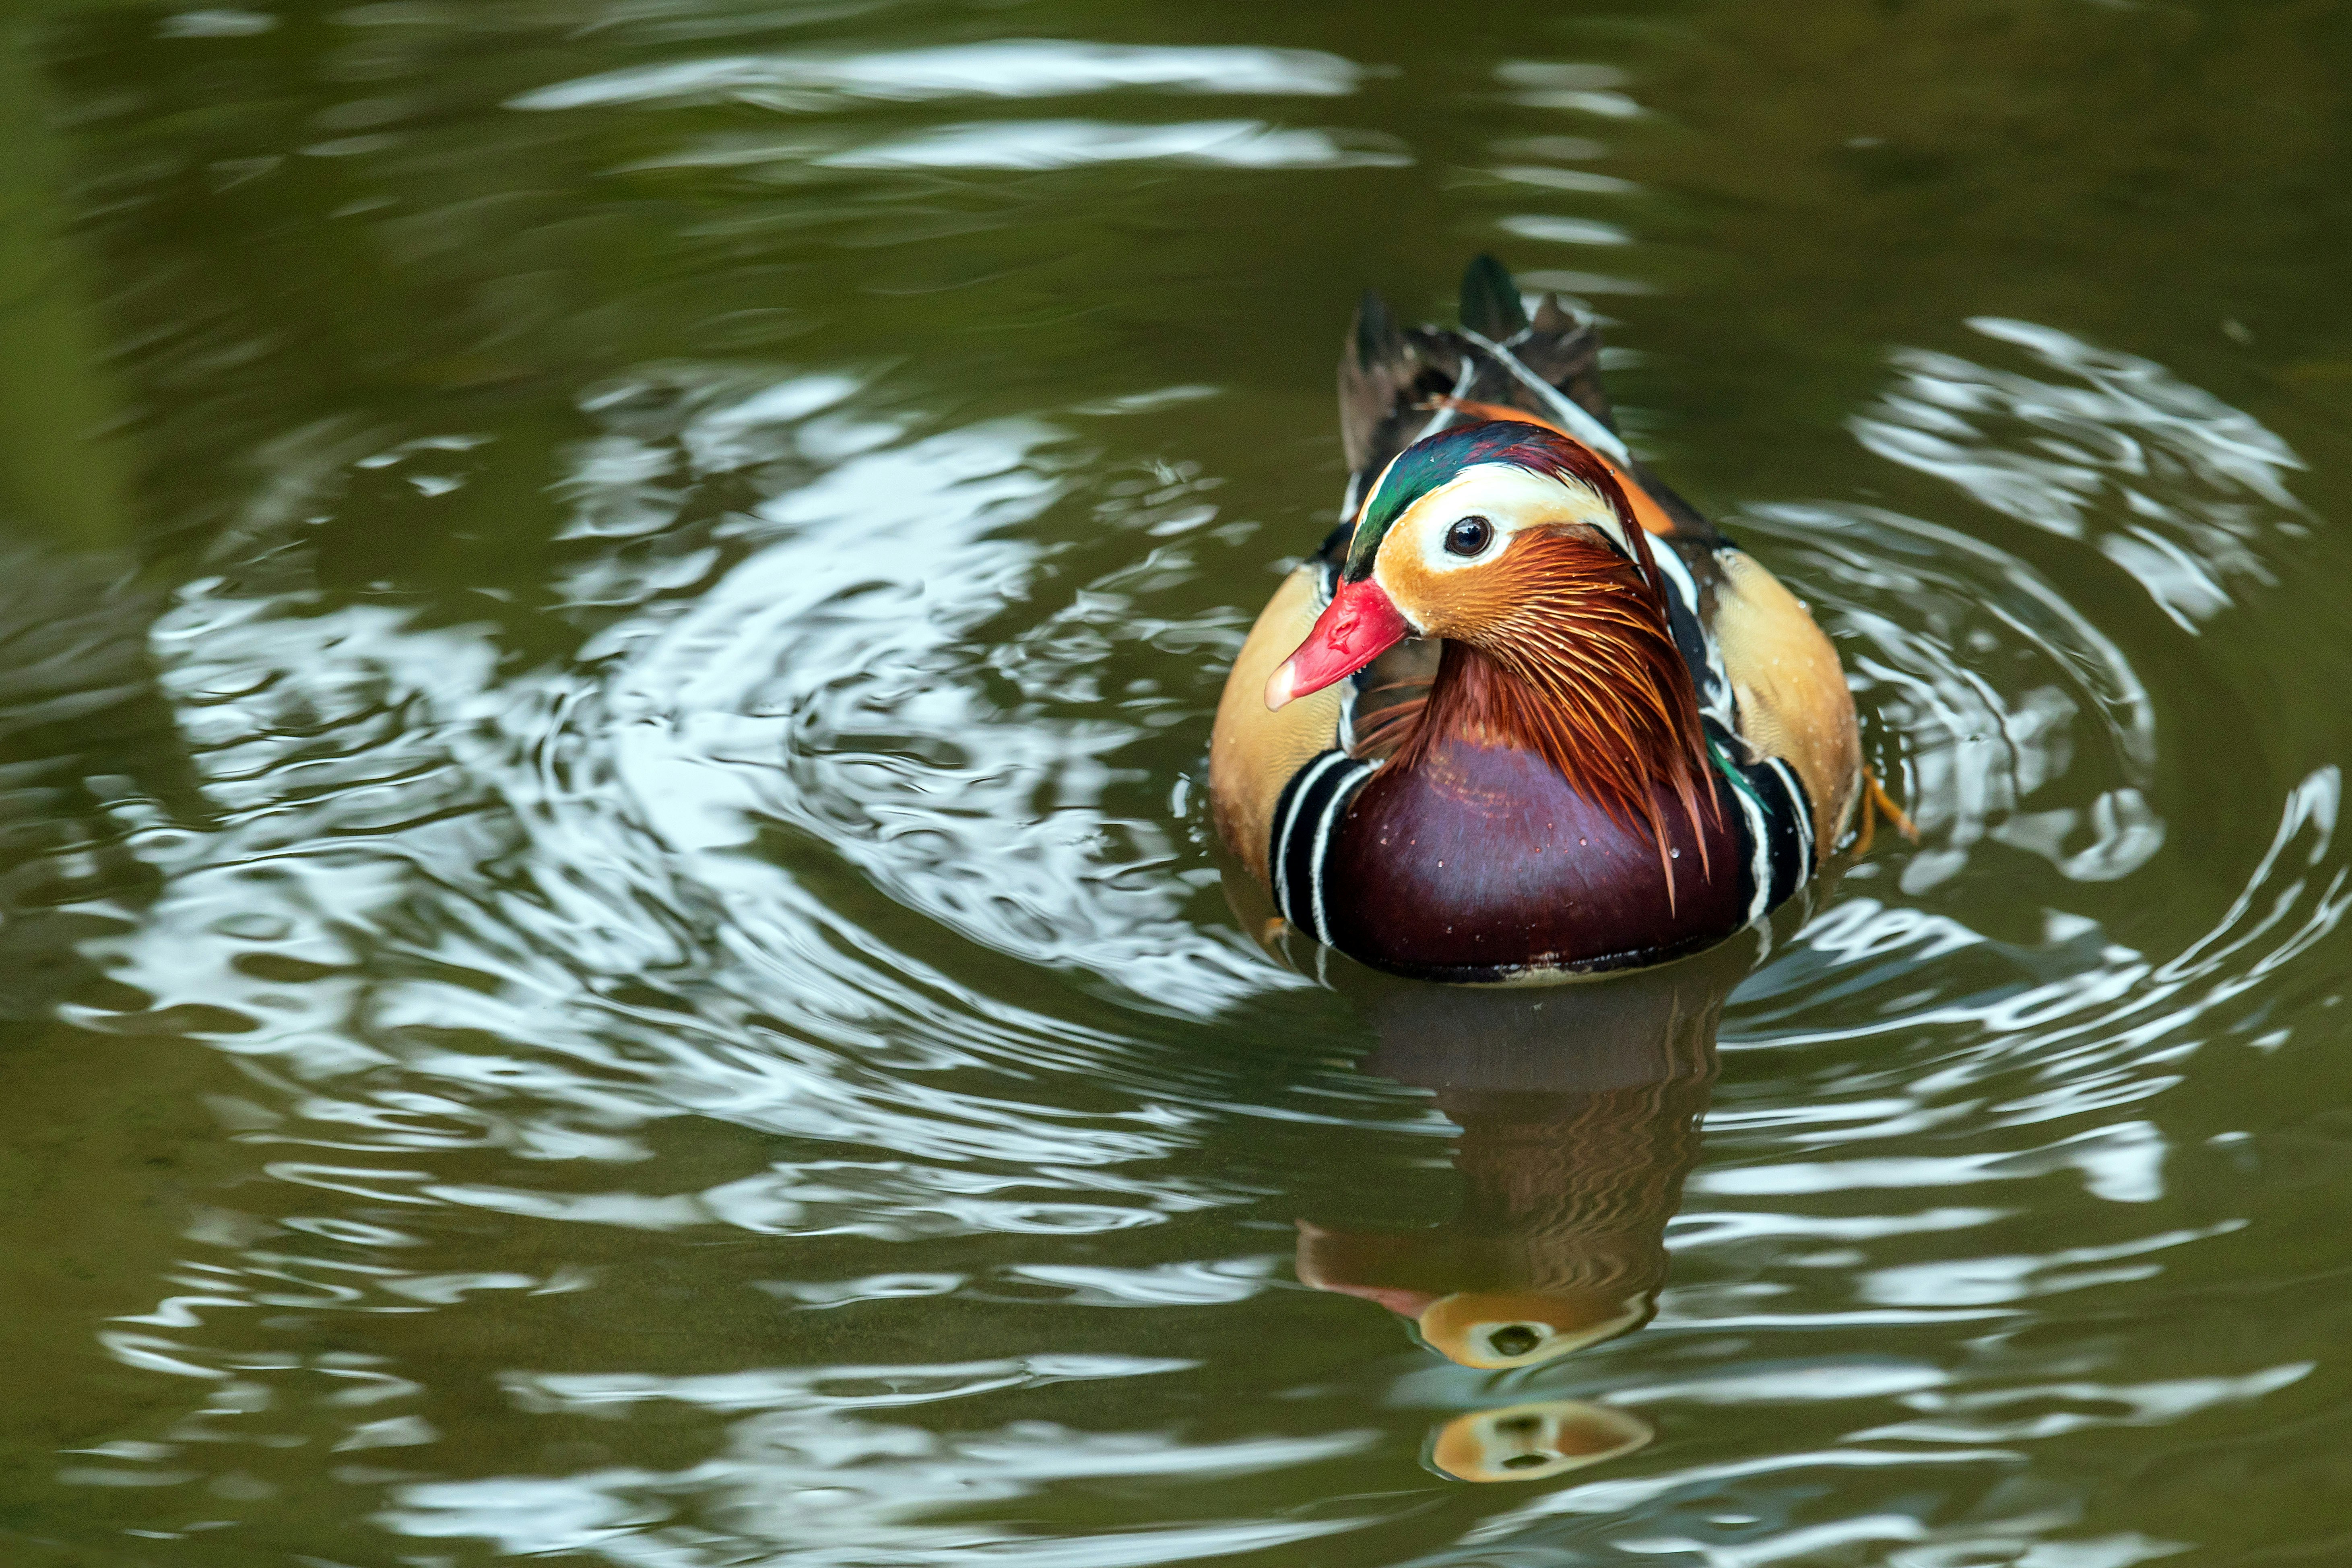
645	923
1009	68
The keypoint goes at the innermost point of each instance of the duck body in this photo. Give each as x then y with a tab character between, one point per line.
1527	715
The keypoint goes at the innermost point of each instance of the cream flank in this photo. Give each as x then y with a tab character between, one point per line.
1793	700
1253	752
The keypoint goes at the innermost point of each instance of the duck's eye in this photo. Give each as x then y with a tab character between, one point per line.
1513	1340
1469	536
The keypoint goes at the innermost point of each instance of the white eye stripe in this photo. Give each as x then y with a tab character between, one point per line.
1509	499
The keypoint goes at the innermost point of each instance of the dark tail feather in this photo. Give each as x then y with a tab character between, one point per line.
1490	300
1375	332
1378	369
1557	347
1566	353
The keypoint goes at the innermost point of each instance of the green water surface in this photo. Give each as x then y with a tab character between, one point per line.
609	947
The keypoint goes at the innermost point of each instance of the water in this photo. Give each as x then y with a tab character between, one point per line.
611	951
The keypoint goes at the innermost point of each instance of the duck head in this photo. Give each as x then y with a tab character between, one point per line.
1494	534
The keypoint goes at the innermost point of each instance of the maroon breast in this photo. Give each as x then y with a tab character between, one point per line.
1482	860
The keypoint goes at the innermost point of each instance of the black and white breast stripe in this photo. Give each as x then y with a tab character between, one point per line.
1698	650
1776	816
1305	819
1776	820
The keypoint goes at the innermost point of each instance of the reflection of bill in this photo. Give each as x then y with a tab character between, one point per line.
1579	1107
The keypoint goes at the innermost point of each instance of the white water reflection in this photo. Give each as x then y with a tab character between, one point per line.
1988	673
2174	485
539	843
492	939
1577	86
2108	1024
835	679
1954	1417
720	1039
1547	178
1072	143
2123	1163
1009	68
1564	230
1987	1281
818	1471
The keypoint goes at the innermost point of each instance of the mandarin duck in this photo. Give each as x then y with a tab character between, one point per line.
1527	714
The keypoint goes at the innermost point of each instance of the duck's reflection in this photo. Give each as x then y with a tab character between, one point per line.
1579	1110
